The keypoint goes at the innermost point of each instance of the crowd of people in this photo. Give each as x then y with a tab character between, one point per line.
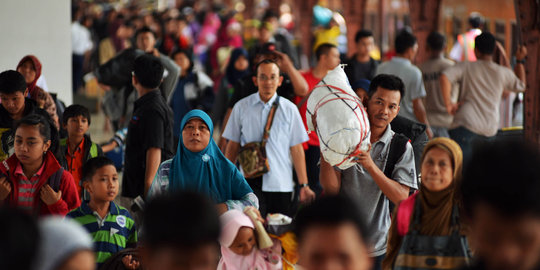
436	190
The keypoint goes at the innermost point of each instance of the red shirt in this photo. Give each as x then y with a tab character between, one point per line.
75	162
27	189
312	81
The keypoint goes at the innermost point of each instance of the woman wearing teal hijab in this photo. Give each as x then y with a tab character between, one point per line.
200	166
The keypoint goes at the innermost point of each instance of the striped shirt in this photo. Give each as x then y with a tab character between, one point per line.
111	234
27	189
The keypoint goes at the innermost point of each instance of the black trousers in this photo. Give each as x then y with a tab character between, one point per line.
273	202
313	154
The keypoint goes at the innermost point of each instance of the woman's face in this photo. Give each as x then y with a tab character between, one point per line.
182	61
28	71
30	145
196	135
241	63
437	170
244	242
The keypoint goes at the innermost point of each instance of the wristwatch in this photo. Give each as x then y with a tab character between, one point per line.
304	185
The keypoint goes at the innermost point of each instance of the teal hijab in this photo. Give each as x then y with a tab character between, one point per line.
208	171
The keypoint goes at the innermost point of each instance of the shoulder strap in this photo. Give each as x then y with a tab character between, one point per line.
269	121
56	179
404	213
397	149
301	103
93	150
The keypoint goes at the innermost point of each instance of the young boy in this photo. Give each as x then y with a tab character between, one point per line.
77	147
15	105
111	226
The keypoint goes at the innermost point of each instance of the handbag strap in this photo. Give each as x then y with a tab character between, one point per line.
269	120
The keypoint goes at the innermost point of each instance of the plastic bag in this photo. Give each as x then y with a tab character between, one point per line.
339	118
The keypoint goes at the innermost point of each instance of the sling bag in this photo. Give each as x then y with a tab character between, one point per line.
252	156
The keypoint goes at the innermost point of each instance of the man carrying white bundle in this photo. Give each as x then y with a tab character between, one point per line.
386	173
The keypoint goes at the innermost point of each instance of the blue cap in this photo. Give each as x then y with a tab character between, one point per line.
362	83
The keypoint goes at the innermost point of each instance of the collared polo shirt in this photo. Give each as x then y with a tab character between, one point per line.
75	162
27	188
150	126
411	77
246	125
110	234
359	185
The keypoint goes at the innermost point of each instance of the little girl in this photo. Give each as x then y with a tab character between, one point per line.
239	245
32	178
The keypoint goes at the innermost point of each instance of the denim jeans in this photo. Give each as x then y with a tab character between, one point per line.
467	140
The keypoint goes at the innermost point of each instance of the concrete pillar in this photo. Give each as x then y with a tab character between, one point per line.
41	28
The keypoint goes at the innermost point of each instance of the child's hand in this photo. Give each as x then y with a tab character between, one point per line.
130	263
5	188
256	211
48	196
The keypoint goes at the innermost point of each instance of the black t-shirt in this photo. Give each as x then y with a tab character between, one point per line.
360	70
7	133
151	126
245	87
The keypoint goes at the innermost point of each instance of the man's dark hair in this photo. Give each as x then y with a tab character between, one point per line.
476	20
504	175
323	49
184	220
20	239
389	82
12	81
362	34
269	14
148	71
330	211
485	43
404	41
265	61
436	41
144	29
90	167
75	110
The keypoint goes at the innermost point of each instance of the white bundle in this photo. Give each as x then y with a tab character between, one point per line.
341	120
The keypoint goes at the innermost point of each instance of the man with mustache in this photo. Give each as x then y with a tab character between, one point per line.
372	183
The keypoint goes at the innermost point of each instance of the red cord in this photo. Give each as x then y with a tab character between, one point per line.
352	98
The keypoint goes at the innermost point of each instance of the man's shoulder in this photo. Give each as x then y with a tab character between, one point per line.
287	104
245	102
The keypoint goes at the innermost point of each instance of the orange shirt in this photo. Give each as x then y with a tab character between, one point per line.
75	163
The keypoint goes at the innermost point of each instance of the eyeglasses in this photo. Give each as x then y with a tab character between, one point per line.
266	78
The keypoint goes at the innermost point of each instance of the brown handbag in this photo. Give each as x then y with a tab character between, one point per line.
252	156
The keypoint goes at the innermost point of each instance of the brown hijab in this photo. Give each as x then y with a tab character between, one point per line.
437	205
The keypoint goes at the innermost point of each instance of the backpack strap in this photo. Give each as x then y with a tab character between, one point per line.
397	149
404	213
93	150
56	179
